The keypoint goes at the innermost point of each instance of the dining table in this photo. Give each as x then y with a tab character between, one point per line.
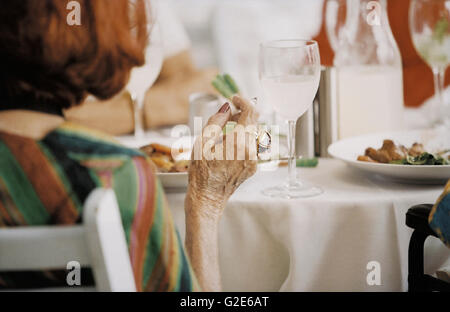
331	242
325	243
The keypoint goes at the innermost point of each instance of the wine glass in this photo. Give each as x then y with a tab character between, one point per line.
429	23
142	78
289	72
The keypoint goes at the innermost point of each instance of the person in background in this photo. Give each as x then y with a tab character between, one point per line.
439	218
178	78
49	166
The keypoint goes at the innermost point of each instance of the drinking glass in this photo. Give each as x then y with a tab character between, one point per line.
368	67
429	23
289	72
142	78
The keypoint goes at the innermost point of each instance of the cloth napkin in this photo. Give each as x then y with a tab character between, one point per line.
440	216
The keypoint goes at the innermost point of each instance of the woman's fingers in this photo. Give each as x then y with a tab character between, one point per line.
251	145
239	145
213	129
241	104
236	117
212	132
248	114
221	117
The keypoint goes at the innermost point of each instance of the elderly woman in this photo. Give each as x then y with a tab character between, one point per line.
48	166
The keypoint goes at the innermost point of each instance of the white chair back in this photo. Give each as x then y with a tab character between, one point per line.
99	243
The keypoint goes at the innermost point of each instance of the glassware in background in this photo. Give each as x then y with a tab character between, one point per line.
429	23
289	72
202	106
335	11
369	67
142	78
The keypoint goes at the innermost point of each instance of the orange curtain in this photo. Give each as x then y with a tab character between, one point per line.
417	76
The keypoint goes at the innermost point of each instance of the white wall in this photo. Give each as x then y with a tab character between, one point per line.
227	33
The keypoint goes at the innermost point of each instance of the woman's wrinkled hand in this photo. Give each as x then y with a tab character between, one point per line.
221	163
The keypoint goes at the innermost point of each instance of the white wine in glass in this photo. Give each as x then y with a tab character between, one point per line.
429	23
289	72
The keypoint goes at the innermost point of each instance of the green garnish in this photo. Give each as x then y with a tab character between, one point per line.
440	30
231	83
222	89
307	162
225	85
425	159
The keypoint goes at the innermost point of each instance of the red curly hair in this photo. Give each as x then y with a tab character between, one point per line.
48	65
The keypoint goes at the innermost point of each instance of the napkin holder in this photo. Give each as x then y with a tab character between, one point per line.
318	127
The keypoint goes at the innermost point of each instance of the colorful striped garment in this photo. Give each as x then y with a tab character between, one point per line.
440	216
47	181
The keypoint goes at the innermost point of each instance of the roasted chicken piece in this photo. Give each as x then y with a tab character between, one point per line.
181	166
148	150
387	153
158	148
390	152
395	152
161	156
380	155
366	159
163	163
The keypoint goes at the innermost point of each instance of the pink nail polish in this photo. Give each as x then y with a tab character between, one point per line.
225	108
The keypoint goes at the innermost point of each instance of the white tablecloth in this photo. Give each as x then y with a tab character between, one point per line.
322	243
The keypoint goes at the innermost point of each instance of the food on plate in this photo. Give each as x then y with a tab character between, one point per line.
424	159
181	166
390	153
161	156
366	159
159	148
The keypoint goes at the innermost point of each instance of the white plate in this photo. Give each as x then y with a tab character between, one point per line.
348	150
185	142
174	180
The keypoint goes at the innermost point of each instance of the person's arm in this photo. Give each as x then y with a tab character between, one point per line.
178	80
179	76
202	245
211	183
